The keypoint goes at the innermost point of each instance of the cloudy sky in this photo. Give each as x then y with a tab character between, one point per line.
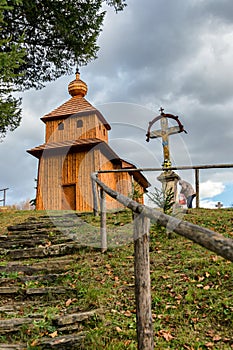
175	54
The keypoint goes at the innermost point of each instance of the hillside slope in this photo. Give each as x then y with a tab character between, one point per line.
59	292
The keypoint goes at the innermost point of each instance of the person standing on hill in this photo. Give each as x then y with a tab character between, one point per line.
188	191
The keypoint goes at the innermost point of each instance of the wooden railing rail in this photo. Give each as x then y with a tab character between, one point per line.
209	239
196	168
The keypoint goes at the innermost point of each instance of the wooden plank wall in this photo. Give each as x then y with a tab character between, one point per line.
58	170
84	200
49	182
92	128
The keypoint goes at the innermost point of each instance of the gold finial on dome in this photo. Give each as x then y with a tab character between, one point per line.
77	87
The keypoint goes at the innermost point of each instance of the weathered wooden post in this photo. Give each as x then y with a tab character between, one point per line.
4	196
197	188
142	283
103	230
95	200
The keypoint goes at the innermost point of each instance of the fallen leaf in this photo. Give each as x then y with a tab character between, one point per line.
118	329
53	335
114	311
68	302
165	277
217	338
34	343
127	342
201	278
209	345
206	287
170	307
127	313
165	334
210	333
214	258
179	297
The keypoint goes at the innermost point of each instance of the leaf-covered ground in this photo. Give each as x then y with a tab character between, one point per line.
192	288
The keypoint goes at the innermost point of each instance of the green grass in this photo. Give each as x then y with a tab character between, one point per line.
192	298
12	217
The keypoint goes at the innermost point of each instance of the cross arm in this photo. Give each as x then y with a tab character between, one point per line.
148	135
159	133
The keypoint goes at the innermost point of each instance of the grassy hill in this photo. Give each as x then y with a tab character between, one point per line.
191	287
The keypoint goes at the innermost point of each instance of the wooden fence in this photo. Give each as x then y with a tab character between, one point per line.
196	168
208	239
3	200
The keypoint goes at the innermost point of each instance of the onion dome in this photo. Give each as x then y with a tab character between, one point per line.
77	87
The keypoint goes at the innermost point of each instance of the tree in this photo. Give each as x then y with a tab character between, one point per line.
42	40
163	199
58	35
11	58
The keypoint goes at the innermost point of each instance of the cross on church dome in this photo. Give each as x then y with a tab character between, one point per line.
77	87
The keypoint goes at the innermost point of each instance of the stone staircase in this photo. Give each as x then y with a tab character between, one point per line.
36	258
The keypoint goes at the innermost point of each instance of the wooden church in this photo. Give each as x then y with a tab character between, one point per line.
76	144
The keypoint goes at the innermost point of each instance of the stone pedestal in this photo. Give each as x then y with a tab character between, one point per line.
169	180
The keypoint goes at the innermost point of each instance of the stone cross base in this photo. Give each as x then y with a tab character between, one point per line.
169	180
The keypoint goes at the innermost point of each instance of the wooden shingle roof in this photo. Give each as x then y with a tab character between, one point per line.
76	105
65	147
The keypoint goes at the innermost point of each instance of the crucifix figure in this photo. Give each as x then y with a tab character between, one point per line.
164	133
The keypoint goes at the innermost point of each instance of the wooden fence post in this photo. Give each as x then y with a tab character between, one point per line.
103	230
197	188
142	283
95	200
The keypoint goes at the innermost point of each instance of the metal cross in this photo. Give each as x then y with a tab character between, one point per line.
164	133
219	205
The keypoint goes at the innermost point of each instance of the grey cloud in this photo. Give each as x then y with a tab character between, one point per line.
223	10
177	54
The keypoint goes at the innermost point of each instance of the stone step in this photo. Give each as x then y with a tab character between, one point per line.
36	256
30	241
27	226
30	233
42	252
17	307
71	342
4	346
57	264
24	292
13	325
69	319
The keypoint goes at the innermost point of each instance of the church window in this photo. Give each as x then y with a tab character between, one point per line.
61	126
79	123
